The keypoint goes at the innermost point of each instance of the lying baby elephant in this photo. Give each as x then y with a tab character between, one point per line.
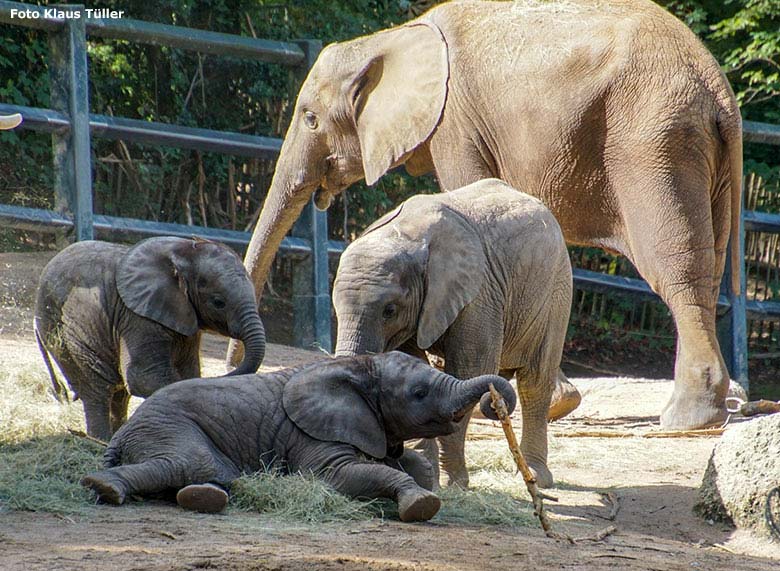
344	420
126	320
479	276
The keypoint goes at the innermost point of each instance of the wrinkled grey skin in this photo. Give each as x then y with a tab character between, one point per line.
124	321
479	276
614	114
344	420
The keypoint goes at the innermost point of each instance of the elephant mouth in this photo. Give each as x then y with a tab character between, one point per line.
459	415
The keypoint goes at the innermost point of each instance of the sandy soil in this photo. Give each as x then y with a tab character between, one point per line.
655	481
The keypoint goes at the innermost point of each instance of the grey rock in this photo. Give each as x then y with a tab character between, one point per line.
743	469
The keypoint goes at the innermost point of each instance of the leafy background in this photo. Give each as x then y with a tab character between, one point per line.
174	86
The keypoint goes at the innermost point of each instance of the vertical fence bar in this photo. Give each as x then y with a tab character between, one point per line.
311	288
70	94
732	325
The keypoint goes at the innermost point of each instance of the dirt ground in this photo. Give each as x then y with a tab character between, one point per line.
654	480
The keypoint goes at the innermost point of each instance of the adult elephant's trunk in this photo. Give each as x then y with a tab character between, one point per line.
289	193
357	341
252	334
465	394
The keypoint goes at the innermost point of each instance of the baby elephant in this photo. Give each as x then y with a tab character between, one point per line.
343	420
126	320
479	276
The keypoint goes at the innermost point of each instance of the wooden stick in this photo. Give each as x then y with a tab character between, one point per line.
530	481
86	436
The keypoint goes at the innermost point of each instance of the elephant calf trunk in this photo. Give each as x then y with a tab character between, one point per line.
506	391
253	337
470	391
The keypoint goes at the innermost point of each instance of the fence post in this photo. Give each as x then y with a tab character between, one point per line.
70	94
311	289
732	325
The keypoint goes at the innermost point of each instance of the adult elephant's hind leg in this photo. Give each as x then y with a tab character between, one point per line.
674	248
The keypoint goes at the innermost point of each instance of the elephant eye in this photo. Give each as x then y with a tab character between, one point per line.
218	302
389	311
420	392
310	118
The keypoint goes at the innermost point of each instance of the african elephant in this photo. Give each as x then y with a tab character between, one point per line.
480	276
344	420
612	113
124	321
10	121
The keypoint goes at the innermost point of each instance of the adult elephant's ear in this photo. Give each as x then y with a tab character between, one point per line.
454	271
152	280
398	96
338	401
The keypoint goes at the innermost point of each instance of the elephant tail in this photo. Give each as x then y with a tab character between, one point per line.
59	389
730	129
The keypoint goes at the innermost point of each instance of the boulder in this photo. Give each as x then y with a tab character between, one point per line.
743	469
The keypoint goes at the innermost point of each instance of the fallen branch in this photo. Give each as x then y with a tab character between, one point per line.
630	434
86	436
685	433
611	499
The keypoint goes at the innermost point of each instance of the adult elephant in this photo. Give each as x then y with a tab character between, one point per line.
614	115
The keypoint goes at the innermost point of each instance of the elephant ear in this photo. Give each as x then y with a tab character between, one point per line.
384	220
399	95
152	281
338	401
454	273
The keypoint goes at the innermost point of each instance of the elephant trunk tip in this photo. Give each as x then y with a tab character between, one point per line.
507	393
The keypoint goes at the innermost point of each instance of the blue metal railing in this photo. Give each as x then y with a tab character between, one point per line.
72	125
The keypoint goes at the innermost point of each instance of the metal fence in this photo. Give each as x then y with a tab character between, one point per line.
72	125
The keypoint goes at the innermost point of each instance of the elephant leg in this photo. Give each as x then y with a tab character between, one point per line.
118	408
370	480
429	449
186	357
676	251
565	398
416	465
534	389
453	457
113	485
97	405
471	348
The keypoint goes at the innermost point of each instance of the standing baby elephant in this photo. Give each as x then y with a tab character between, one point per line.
343	420
479	276
124	321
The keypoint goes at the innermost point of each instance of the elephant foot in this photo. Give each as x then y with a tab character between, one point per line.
565	398
693	408
458	479
205	498
418	505
107	488
544	478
